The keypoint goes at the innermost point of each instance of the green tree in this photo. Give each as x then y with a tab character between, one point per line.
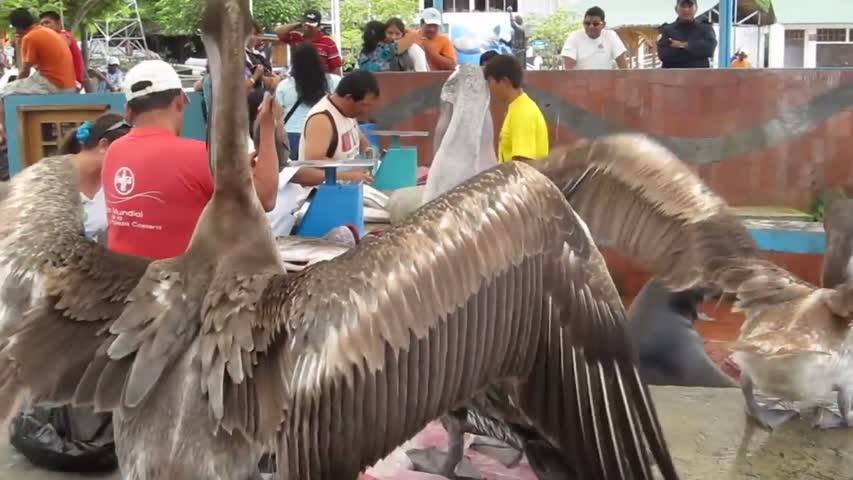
763	5
355	13
180	17
74	12
550	32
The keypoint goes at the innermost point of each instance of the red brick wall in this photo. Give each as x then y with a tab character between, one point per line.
715	109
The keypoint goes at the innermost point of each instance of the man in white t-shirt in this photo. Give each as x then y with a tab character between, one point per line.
594	48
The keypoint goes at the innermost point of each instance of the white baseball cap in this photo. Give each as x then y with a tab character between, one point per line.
431	16
113	61
159	75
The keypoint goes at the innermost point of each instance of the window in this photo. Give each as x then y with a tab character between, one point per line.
834	55
794	35
500	5
44	127
52	133
831	34
457	5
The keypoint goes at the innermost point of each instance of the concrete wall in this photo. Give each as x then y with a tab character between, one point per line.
758	136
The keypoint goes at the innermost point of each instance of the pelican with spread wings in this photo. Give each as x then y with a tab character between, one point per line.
211	358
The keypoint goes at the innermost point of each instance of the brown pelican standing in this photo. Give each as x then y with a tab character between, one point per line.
209	358
796	341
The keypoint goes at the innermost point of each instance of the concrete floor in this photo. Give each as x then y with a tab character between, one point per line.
710	438
13	466
708	434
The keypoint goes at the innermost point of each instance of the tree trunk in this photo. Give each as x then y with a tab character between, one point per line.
84	44
82	13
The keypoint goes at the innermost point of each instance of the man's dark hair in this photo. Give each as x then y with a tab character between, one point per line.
21	19
358	85
154	101
486	56
504	66
51	15
595	12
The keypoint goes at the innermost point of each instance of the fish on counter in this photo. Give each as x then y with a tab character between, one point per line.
299	252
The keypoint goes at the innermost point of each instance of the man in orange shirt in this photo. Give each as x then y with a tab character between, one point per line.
438	48
45	50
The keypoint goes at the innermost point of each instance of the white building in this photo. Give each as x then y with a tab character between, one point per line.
817	33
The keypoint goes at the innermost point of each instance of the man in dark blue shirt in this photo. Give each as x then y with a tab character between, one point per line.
686	43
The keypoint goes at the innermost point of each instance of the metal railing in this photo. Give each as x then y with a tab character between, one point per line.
647	61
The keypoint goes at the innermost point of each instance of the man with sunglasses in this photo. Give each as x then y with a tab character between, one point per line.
594	48
686	43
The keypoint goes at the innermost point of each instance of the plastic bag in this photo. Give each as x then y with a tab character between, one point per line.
65	439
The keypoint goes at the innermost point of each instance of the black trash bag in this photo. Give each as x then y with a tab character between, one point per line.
66	439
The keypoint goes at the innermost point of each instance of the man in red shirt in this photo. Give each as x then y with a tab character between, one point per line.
157	183
310	32
53	21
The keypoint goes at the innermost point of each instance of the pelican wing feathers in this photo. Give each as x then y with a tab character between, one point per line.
397	331
60	290
638	197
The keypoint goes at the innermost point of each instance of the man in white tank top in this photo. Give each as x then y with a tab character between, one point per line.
331	129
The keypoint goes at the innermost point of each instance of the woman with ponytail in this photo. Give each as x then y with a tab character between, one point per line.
86	146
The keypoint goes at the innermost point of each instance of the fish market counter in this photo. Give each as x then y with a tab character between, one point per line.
706	429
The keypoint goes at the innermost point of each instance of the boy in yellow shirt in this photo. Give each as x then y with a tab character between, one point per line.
524	134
